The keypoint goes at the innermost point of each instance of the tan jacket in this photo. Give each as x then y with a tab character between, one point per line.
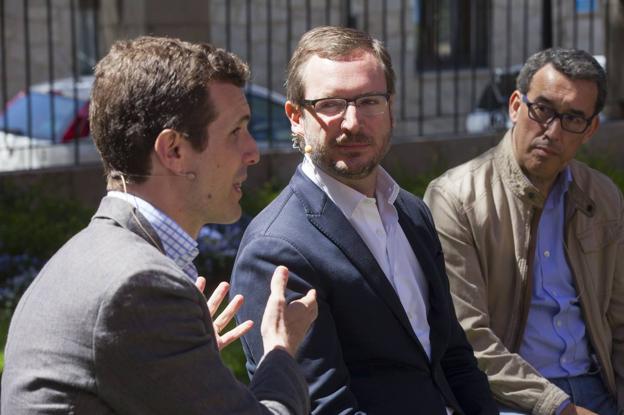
486	213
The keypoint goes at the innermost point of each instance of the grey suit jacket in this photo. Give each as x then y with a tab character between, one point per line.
111	325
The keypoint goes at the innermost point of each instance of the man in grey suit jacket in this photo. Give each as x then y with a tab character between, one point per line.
114	323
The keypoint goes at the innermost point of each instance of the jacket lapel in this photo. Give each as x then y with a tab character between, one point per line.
422	242
331	222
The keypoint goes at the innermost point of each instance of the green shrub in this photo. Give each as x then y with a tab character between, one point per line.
34	223
257	199
603	163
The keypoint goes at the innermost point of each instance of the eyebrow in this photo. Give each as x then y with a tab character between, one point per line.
543	100
246	117
365	94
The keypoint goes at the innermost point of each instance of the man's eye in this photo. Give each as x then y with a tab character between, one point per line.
369	101
574	119
329	104
543	109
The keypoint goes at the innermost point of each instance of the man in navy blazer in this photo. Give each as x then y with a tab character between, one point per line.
386	340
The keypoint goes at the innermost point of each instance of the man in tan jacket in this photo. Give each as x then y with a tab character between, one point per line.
534	248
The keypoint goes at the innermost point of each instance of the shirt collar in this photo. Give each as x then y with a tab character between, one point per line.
343	196
559	188
179	246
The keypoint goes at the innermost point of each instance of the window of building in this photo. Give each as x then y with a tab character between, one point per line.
451	33
87	35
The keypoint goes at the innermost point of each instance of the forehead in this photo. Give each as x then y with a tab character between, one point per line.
357	73
229	102
550	84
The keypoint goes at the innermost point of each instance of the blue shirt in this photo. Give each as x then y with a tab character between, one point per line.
178	245
555	342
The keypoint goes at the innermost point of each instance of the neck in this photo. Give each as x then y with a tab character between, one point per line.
543	185
165	198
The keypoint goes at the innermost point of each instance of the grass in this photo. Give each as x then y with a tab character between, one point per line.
5	318
234	359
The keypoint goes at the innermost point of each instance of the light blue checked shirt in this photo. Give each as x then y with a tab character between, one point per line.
179	246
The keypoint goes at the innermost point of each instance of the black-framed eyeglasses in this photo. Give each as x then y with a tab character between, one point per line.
367	105
544	114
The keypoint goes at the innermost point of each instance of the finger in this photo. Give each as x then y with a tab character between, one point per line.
217	297
279	280
228	313
309	303
200	283
235	334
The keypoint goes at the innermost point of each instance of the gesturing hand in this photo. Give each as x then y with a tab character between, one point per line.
226	315
285	325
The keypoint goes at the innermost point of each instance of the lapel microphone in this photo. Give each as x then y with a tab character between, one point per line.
188	174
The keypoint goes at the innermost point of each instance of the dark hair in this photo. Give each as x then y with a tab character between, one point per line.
332	42
573	63
148	84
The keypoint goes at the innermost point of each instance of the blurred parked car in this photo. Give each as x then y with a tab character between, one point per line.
491	113
57	131
269	124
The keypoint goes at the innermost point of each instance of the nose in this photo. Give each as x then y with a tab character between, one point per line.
553	128
350	121
251	155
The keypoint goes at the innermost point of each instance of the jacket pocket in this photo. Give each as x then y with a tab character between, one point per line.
595	238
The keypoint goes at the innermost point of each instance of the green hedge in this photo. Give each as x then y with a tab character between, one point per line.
35	222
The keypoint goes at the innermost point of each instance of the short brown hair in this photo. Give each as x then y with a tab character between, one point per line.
332	42
148	84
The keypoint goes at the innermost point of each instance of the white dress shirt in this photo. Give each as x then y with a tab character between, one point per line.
377	222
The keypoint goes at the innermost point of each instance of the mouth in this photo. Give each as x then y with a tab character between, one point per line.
352	145
546	150
353	141
238	186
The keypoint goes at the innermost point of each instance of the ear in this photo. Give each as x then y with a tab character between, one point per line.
168	149
295	115
515	103
595	123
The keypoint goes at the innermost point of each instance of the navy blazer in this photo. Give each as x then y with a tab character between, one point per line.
361	355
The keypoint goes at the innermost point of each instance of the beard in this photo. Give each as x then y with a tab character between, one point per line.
325	157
